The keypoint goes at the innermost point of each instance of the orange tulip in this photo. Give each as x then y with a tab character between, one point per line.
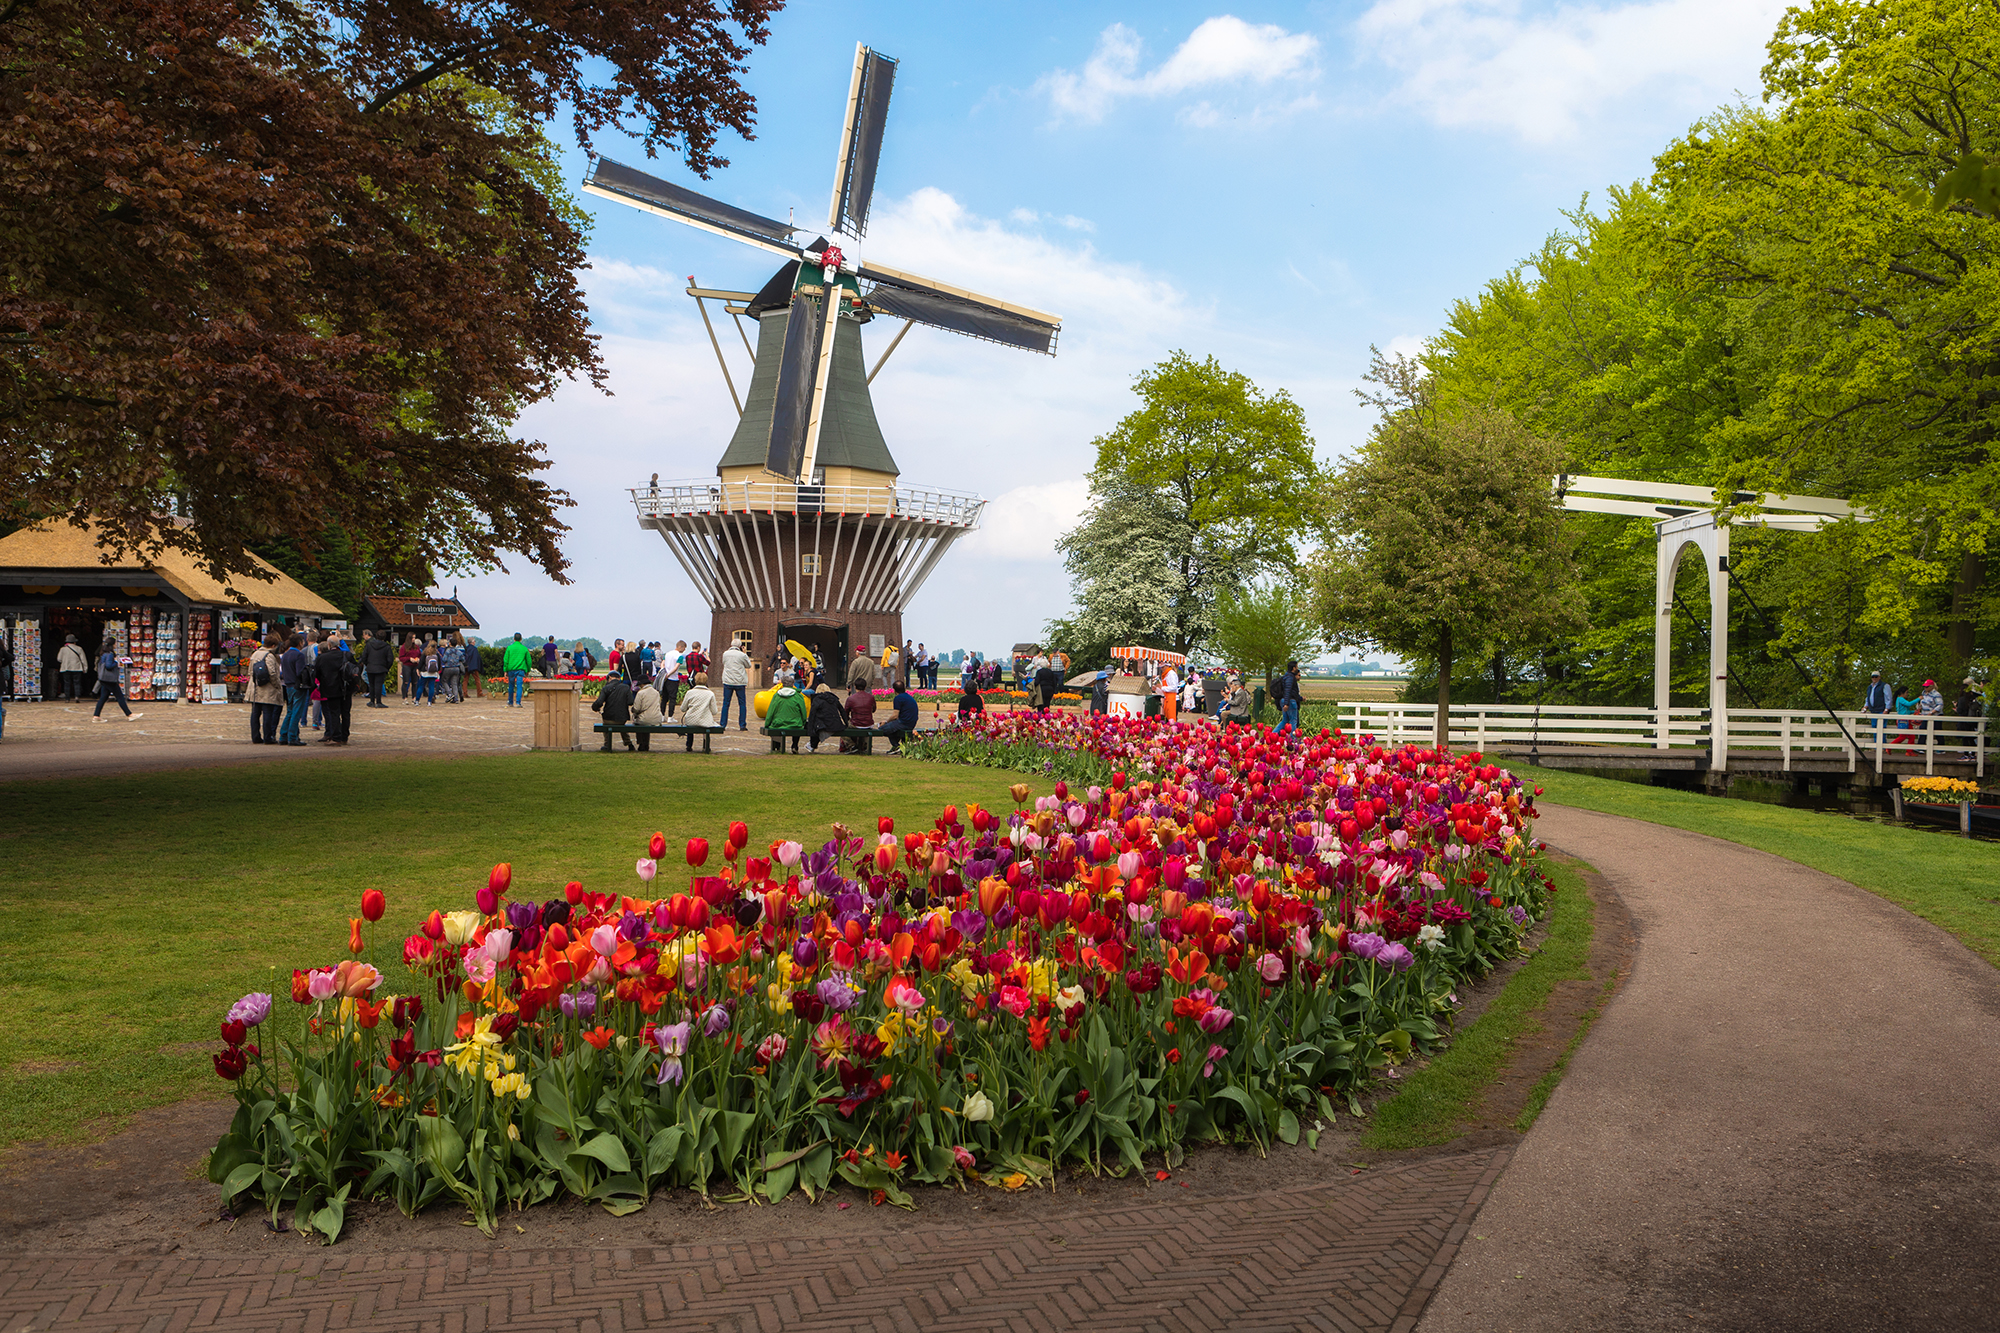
992	893
901	947
354	944
369	1014
1186	970
600	1037
722	944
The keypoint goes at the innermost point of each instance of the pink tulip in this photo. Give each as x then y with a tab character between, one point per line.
647	868
1128	865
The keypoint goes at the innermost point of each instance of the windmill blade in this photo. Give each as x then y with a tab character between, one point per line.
614	180
909	296
798	372
861	140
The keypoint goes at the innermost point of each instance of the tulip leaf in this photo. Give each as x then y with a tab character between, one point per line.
816	1171
1288	1127
606	1148
661	1152
777	1184
241	1178
735	1129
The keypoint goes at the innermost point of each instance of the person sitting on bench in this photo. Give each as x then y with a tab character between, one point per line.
698	707
615	702
647	712
905	720
785	715
826	716
860	716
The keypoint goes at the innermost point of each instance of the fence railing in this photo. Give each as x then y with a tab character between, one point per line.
685	499
1792	733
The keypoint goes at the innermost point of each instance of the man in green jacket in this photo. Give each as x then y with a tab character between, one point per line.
515	661
786	716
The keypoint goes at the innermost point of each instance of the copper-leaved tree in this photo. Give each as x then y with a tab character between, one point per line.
281	268
1444	535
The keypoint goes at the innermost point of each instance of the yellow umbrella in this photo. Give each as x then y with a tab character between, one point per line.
800	651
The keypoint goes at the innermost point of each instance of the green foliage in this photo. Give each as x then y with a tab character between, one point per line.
331	571
1261	628
1800	300
1444	533
1208	484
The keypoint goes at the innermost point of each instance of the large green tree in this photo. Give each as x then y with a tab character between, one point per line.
1444	534
1208	484
273	266
1260	628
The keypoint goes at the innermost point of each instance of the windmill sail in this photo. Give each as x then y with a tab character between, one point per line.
861	141
908	296
798	369
614	180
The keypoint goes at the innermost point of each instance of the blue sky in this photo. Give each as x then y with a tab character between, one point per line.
1279	186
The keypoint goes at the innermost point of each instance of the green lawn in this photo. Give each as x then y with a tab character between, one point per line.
138	908
1950	881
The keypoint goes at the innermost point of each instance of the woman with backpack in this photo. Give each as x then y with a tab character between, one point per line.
452	656
473	666
265	691
430	666
109	683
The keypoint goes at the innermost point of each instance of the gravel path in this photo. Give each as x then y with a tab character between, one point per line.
1783	1120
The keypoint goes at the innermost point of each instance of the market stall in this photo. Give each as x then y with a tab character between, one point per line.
180	627
1131	690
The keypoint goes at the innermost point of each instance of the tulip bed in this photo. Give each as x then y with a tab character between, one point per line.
1220	941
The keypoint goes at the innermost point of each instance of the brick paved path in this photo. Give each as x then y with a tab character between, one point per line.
1364	1253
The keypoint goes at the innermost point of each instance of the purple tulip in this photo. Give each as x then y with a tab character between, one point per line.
969	922
806	953
1395	957
1365	946
837	993
716	1021
251	1010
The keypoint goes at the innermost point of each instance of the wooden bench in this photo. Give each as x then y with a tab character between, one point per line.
644	730
863	737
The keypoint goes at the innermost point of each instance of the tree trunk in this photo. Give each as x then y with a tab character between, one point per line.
1443	732
1971	569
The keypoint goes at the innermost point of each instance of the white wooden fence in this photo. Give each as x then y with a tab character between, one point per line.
1791	732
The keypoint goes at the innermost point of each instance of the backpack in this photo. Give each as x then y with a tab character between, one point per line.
260	671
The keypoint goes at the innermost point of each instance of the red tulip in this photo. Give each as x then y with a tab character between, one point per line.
739	833
434	927
885	858
573	891
697	851
657	848
233	1032
1118	782
885	825
1062	791
373	904
502	876
231	1063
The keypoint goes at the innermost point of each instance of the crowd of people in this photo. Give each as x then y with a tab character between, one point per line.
1912	708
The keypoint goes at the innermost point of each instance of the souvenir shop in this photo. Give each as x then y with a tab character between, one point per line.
185	634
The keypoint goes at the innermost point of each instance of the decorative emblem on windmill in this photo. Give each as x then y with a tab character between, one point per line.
807	532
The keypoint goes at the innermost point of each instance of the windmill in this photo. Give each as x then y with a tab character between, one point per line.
806	531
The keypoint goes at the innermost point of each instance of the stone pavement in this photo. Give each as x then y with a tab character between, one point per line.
1784	1119
1362	1253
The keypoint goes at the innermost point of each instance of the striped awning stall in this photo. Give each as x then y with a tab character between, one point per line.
1148	655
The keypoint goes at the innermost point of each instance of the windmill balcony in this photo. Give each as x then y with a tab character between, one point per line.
709	496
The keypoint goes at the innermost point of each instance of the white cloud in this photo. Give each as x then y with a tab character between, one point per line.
1405	344
1220	53
1024	523
1543	76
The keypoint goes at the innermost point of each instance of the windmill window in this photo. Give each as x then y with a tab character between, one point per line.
809	565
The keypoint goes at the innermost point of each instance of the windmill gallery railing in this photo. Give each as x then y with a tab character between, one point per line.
1786	734
692	499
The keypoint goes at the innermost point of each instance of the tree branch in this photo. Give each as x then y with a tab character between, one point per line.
444	64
